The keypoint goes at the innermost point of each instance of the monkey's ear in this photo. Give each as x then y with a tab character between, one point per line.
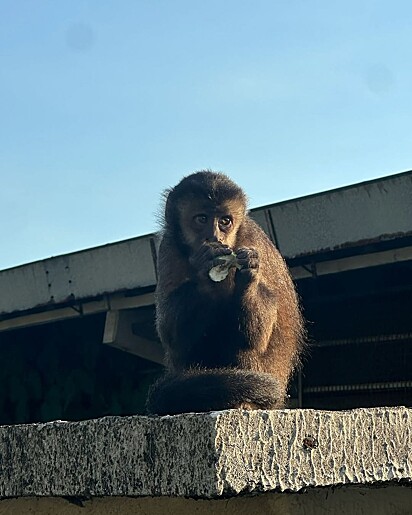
166	192
169	206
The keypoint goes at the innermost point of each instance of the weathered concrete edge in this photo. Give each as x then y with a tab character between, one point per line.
206	455
290	450
111	456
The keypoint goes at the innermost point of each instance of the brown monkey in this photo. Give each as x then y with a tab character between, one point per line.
229	344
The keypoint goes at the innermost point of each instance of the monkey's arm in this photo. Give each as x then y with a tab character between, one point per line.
183	319
257	300
258	317
177	308
270	316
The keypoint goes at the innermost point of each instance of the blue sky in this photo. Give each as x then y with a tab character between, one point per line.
104	104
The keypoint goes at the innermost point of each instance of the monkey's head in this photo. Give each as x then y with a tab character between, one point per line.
205	207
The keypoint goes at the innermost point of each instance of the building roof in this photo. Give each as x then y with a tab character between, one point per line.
377	212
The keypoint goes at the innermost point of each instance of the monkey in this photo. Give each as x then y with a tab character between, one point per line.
228	344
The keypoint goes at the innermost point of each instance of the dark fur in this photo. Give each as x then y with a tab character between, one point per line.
229	344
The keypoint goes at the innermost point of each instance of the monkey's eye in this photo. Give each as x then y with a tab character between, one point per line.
200	219
225	221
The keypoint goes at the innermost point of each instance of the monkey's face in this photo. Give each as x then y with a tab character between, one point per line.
202	223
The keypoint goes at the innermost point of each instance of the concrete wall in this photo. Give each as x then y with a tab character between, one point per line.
322	461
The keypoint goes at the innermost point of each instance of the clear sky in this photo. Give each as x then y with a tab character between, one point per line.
103	104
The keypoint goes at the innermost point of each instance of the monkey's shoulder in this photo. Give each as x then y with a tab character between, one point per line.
173	269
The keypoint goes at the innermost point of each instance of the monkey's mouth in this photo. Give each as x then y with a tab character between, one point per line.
220	272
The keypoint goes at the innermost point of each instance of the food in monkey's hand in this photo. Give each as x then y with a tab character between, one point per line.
220	272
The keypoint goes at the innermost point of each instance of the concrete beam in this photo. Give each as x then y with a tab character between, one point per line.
352	216
118	332
207	455
86	274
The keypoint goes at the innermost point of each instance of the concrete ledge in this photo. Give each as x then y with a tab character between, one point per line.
207	455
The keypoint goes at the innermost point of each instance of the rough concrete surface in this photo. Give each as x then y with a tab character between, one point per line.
294	449
207	455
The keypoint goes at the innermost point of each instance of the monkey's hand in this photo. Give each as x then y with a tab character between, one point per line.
248	263
207	256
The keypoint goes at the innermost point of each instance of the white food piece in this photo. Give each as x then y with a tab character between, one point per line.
220	272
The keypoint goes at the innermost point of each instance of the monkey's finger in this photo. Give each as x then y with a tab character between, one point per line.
216	252
214	243
209	252
202	257
219	261
251	263
245	253
200	254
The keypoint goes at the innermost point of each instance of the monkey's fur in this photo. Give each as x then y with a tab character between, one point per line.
228	344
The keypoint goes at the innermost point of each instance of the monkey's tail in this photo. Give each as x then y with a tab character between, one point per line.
199	390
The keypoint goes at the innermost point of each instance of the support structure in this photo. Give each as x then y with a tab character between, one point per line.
212	455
